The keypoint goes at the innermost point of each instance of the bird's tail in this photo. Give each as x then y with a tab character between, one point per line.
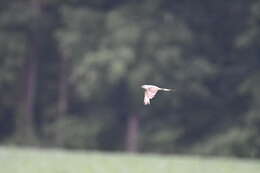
166	89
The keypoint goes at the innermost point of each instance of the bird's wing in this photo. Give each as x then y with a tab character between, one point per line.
151	92
146	99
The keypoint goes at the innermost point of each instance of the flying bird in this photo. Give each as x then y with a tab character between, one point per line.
150	92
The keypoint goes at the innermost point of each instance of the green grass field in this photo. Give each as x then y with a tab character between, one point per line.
17	160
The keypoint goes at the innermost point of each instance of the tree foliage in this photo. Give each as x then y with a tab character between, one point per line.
92	57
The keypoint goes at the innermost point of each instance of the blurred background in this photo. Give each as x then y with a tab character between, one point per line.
71	71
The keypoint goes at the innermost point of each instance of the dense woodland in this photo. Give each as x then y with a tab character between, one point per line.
71	71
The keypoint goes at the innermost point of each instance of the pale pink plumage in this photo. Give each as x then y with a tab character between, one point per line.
150	92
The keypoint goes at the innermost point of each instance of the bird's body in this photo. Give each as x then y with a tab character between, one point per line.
150	92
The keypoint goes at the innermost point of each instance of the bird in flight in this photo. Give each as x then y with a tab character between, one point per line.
150	92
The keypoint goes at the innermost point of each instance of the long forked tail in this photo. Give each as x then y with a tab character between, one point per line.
166	89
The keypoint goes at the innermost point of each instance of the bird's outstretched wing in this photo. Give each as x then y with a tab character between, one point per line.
149	94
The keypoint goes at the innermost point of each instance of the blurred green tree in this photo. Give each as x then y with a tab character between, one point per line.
73	69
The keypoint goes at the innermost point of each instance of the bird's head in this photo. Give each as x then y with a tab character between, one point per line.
144	86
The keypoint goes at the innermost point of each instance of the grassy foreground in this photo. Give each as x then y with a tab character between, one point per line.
15	160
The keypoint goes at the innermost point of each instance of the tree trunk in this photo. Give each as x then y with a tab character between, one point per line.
24	124
132	133
25	132
62	105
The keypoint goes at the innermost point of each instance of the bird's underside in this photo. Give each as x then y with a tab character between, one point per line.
150	92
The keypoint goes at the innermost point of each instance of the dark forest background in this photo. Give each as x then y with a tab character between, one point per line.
71	71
